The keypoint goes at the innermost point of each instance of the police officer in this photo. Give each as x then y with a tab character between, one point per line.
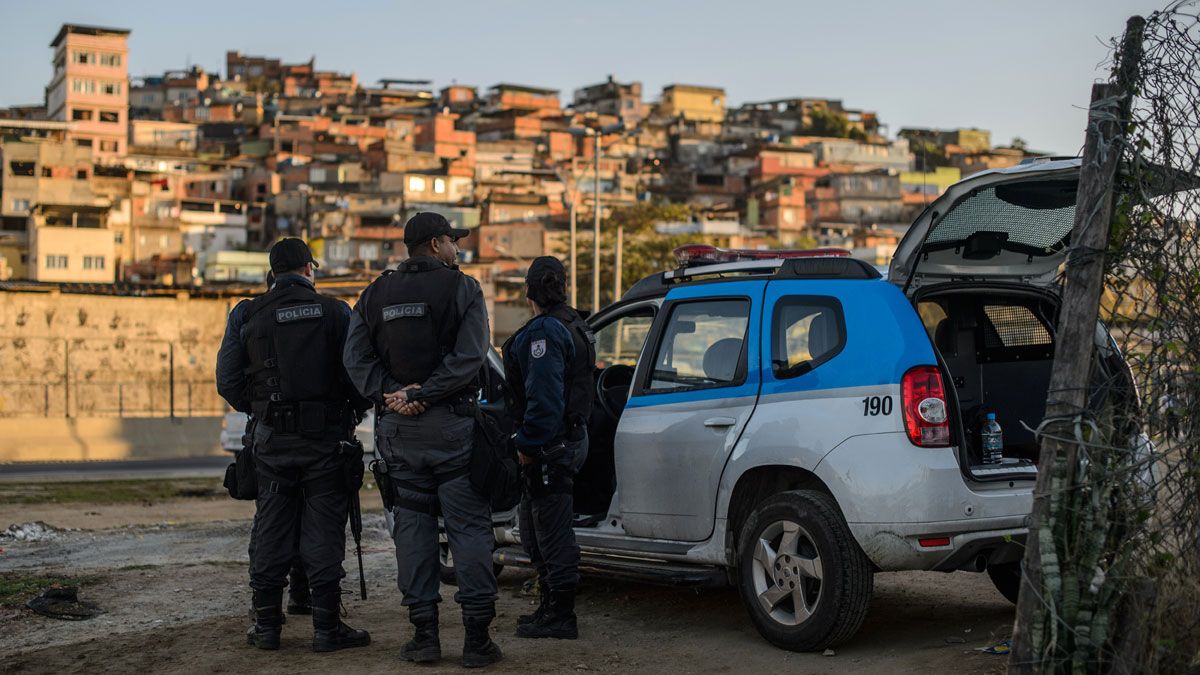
418	339
279	361
299	599
548	368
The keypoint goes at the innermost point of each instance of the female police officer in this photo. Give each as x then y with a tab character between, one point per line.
548	367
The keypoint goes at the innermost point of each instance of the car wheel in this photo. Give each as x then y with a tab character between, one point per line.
1006	577
446	565
802	576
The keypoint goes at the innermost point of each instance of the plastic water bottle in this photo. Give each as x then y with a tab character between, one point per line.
993	441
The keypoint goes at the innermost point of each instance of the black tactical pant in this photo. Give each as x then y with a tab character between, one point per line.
547	508
300	485
427	456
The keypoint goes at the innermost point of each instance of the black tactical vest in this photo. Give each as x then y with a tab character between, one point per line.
290	339
579	384
413	317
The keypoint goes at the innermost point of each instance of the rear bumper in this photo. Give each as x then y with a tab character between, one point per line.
897	546
893	494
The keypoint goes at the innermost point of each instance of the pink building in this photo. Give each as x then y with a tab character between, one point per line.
90	86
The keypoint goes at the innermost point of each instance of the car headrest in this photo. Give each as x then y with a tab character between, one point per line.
722	358
943	337
822	334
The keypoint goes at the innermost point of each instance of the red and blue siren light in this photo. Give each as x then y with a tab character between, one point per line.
690	255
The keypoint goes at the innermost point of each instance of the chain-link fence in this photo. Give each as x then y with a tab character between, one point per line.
1115	583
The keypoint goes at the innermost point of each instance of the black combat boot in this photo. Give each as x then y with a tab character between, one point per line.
478	648
268	619
329	633
425	647
543	604
299	598
558	621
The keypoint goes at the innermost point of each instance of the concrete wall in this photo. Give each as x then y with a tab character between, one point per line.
67	355
87	438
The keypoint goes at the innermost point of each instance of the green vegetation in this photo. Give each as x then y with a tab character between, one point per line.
18	587
110	491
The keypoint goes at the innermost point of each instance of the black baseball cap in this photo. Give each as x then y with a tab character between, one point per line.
428	225
546	281
290	253
543	264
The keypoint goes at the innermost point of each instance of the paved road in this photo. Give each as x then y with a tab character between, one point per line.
184	467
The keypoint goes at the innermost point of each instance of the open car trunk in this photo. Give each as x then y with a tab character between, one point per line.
997	343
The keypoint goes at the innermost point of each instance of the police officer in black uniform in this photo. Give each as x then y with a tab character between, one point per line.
418	339
279	361
548	368
299	599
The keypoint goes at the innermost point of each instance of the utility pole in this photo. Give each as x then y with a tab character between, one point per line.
596	229
1058	463
574	262
619	256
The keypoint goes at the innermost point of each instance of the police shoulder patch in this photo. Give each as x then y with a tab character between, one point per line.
408	310
298	313
537	348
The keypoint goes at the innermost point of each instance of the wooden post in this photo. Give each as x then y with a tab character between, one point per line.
1075	338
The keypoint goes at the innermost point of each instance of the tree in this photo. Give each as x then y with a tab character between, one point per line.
645	251
1018	143
827	123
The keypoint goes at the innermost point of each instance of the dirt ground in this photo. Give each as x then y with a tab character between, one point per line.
171	578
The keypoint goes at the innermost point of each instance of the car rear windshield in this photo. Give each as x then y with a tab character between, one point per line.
1033	215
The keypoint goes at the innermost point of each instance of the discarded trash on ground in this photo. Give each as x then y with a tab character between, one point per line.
1001	648
62	602
37	531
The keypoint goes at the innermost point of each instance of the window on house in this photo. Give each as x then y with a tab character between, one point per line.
416	183
47	172
110	59
81	115
83	142
118	237
108	146
439	186
81	174
110	116
111	88
22	168
20	205
81	57
56	262
93	262
81	86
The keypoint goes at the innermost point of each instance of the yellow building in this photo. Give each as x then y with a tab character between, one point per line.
71	244
691	102
933	182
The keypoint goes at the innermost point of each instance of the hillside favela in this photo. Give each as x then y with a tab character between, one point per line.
543	337
137	209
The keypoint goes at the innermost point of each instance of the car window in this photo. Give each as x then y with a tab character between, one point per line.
808	331
620	342
702	345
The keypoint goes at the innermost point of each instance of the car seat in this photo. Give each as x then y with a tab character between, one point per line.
722	358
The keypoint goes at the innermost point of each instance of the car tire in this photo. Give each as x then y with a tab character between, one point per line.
446	565
1006	577
819	585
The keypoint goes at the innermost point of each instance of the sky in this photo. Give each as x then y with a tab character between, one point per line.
1016	67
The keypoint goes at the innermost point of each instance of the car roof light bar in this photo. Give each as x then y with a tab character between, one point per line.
692	255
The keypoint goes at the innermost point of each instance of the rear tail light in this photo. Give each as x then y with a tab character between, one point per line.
926	418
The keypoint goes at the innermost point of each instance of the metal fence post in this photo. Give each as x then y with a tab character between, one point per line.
171	377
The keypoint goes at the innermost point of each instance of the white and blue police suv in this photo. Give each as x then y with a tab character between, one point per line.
792	423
